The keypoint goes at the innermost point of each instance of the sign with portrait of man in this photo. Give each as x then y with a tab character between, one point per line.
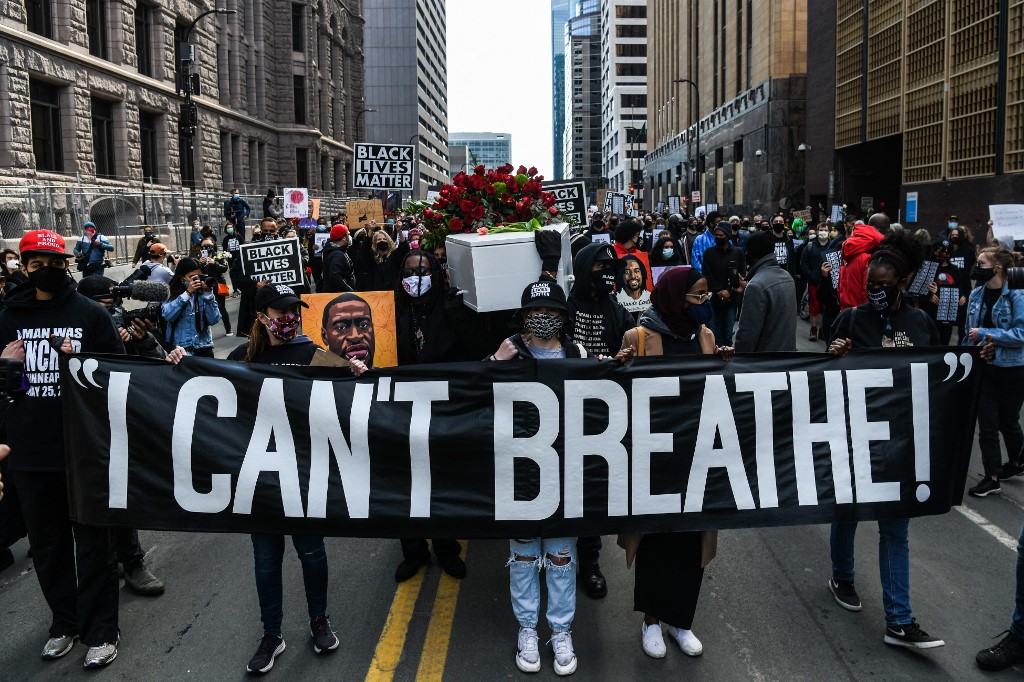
354	325
634	286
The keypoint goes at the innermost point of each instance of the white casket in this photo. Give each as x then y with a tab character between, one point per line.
493	270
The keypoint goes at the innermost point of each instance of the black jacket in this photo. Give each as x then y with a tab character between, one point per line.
722	269
338	275
597	324
35	422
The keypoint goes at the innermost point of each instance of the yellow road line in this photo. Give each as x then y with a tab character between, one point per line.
439	631
392	639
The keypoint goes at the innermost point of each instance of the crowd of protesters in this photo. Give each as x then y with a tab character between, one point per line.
643	286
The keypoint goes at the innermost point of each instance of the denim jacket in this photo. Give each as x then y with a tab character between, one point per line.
1008	316
98	252
181	320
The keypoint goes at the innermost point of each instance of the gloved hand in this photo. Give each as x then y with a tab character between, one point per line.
549	248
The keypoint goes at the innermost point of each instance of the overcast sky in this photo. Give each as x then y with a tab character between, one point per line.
499	74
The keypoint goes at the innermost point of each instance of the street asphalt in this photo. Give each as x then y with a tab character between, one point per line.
764	613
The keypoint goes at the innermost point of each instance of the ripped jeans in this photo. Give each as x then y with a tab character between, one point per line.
268	553
527	557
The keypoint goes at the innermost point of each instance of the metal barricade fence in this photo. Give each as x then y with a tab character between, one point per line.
121	214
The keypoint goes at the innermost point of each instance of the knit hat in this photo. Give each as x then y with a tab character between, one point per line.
338	231
759	245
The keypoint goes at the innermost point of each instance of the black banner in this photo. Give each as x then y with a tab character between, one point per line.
519	449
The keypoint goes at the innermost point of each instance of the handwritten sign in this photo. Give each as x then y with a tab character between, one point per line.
296	202
1007	221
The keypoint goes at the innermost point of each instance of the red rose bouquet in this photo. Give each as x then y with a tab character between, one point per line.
488	201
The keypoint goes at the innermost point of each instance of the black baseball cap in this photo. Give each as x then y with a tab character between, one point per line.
278	297
544	295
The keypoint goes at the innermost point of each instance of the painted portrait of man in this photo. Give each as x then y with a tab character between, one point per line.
348	328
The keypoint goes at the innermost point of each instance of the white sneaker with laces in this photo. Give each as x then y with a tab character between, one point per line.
653	641
528	657
686	640
565	657
99	656
57	647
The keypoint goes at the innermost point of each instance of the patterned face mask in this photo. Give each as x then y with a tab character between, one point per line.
543	325
285	328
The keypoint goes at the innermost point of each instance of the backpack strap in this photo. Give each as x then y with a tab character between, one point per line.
641	341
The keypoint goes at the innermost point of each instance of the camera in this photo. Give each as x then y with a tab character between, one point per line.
123	318
209	281
1015	278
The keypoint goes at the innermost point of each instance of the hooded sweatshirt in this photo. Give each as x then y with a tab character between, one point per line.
597	325
853	276
35	422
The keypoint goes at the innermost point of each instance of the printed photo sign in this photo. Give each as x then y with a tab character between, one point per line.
355	325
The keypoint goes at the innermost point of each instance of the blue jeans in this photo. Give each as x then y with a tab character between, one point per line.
723	323
1017	624
268	553
524	581
893	564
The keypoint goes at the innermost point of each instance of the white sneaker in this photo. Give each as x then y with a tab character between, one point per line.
686	640
58	646
99	656
565	657
654	643
528	658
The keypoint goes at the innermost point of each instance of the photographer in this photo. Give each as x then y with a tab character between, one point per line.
91	251
215	264
146	241
192	309
154	266
74	562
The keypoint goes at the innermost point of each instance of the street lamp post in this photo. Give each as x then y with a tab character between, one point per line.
189	116
696	94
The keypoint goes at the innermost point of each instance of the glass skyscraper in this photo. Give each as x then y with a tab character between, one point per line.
489	149
559	15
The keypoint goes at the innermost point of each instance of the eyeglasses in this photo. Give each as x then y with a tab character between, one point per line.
702	298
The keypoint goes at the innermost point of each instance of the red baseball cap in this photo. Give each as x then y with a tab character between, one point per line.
338	231
43	241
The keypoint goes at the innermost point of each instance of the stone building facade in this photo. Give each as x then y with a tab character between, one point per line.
88	93
749	60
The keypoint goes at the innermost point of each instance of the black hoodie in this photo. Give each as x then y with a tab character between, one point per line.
35	422
597	325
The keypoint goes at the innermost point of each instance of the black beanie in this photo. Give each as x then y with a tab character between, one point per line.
759	245
95	285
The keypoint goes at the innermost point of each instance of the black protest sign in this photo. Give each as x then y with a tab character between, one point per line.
278	261
519	449
570	199
383	166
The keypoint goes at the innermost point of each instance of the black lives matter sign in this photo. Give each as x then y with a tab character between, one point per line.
570	199
278	261
383	166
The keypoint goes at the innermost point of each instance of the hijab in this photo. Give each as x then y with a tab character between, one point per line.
669	299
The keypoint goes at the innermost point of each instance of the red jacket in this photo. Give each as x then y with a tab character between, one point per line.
853	276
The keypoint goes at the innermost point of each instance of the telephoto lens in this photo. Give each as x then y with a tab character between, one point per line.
1015	278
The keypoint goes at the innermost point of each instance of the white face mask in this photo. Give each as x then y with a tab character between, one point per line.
416	286
12	264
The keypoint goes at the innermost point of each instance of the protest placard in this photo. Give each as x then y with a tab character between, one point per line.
296	202
570	199
354	325
278	261
362	212
383	166
1007	221
673	204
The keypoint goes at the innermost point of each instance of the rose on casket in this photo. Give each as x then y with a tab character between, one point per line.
495	200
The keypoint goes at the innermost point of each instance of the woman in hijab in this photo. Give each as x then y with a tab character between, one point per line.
670	566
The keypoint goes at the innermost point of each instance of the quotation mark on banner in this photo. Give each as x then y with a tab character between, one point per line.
951	361
87	368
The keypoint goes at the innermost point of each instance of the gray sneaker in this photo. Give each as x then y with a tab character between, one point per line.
56	647
565	657
141	581
99	656
528	657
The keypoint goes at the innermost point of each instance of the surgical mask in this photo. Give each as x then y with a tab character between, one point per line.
982	274
231	230
812	235
234	196
700	314
543	325
48	279
668	253
416	286
285	328
604	281
953	224
884	298
833	234
822	237
12	264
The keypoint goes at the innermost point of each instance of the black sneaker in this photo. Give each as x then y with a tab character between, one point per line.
986	486
453	565
1010	470
912	636
269	649
324	638
844	594
1002	655
408	568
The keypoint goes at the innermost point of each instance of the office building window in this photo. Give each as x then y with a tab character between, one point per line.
298	28
299	98
103	138
46	130
96	27
149	146
39	17
302	167
143	38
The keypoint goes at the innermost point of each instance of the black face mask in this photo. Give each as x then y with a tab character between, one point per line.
777	229
884	299
603	281
721	242
382	246
48	280
982	275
